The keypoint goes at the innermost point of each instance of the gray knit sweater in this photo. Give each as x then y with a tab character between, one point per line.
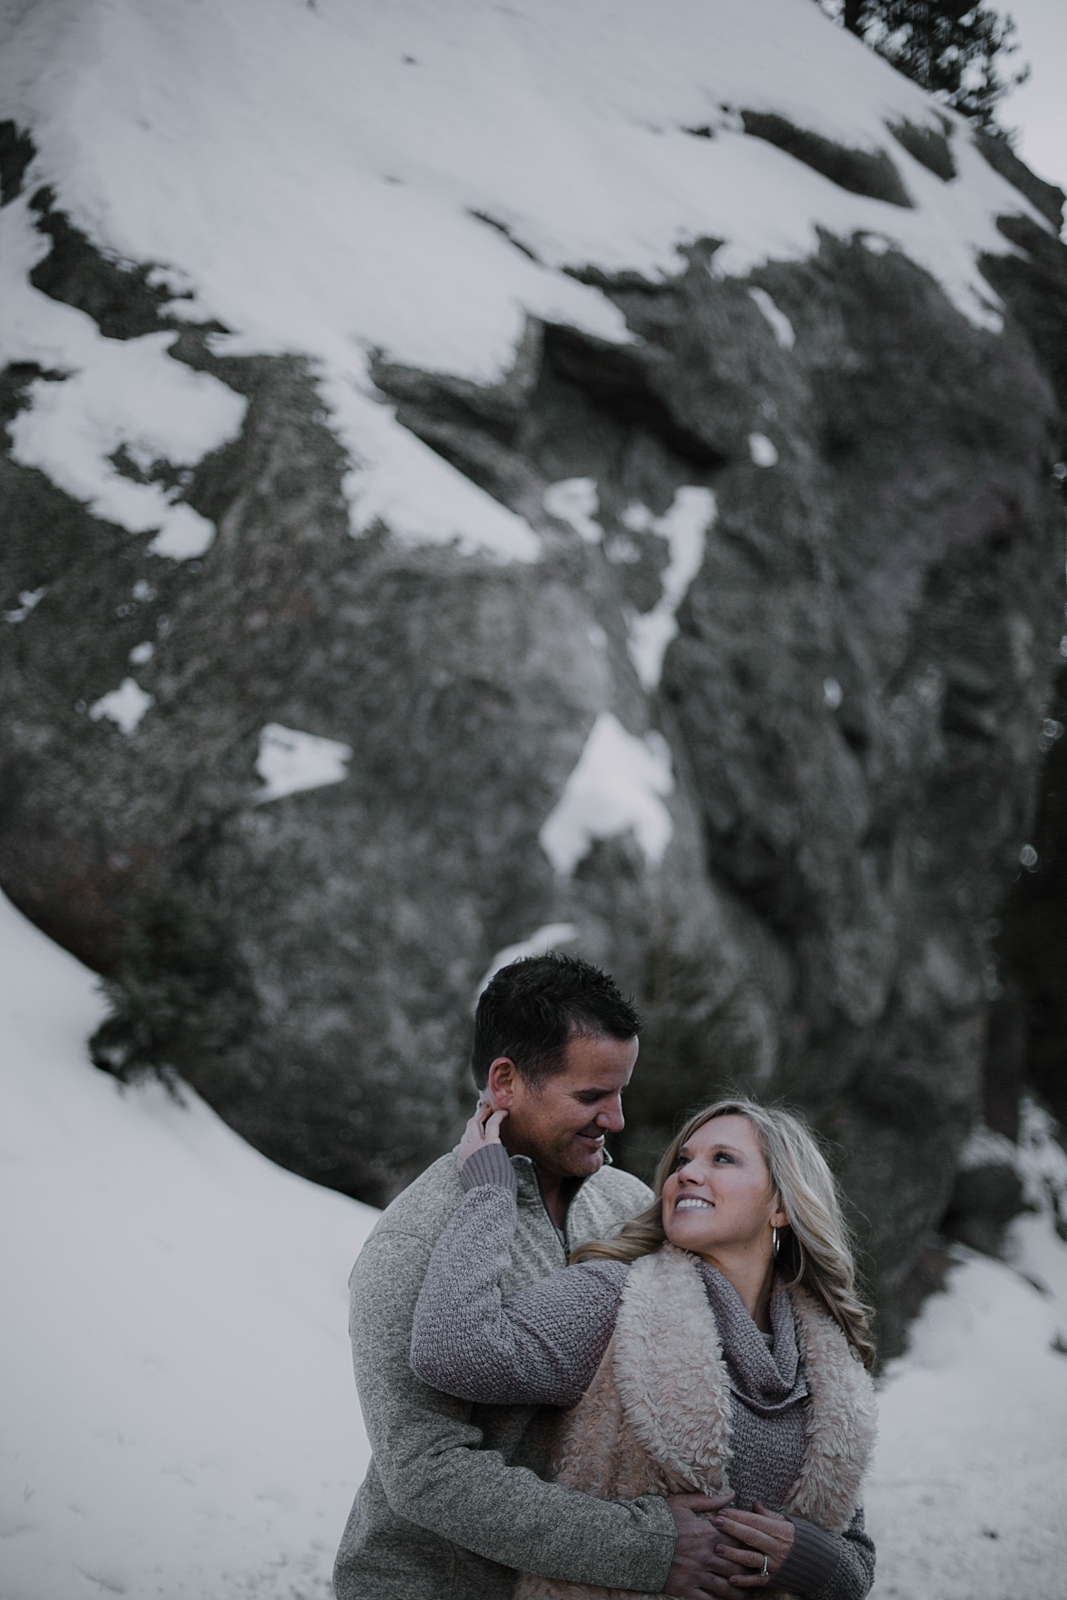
544	1345
455	1500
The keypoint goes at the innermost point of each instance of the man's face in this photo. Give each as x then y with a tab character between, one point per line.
561	1124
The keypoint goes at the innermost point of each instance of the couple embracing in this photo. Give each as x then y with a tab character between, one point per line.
575	1387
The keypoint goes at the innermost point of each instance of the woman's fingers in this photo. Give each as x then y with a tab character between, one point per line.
764	1521
740	1557
482	1129
755	1537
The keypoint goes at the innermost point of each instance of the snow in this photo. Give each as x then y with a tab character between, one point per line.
832	693
575	501
104	393
549	937
781	326
124	706
685	528
179	1413
401	482
27	600
763	451
416	177
142	652
289	761
966	1500
618	785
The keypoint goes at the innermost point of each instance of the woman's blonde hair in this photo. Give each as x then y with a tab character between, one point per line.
815	1250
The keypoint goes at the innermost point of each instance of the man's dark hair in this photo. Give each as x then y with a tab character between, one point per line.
534	1006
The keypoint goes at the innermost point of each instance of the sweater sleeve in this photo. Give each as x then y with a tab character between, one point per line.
539	1347
828	1566
437	1473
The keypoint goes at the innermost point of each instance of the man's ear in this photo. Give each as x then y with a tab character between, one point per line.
501	1082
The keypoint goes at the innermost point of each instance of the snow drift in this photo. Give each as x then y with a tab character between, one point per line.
179	1413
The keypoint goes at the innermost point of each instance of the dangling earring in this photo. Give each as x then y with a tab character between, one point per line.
775	1242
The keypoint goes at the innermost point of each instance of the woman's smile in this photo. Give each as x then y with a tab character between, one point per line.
719	1197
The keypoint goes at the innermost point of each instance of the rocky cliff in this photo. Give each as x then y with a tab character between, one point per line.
702	618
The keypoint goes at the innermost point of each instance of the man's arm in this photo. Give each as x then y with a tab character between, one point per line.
426	1451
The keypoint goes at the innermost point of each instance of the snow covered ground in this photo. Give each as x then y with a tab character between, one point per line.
969	1495
179	1418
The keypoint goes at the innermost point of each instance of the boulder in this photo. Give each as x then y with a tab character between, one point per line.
744	703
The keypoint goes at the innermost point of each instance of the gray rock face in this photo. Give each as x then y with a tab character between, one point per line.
852	706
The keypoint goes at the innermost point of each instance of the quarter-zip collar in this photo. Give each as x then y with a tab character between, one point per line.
531	1194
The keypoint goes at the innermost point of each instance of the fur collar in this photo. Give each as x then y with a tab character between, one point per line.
657	1419
671	1376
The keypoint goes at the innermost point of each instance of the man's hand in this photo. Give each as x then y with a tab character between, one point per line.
696	1571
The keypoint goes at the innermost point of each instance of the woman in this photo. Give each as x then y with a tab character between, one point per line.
716	1342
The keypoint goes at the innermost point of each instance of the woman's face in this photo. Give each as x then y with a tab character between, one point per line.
719	1196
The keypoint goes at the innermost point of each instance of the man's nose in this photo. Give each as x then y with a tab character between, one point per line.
610	1117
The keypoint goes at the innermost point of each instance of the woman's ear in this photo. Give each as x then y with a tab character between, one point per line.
779	1216
501	1082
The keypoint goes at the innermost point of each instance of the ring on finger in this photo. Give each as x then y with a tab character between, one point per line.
765	1571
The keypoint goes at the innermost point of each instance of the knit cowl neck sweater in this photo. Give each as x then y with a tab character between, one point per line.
766	1376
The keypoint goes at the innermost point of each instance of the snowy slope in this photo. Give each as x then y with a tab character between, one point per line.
415	177
179	1417
969	1494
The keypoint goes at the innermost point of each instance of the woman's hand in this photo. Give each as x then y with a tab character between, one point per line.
482	1129
762	1540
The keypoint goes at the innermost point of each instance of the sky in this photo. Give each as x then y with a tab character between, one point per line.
1039	108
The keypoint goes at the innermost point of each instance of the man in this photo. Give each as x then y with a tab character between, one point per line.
454	1503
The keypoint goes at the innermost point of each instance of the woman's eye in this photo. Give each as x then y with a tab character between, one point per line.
680	1162
724	1155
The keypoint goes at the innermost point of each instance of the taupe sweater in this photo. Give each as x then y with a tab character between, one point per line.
452	1503
545	1344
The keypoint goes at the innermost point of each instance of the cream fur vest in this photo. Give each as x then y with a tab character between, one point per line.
656	1418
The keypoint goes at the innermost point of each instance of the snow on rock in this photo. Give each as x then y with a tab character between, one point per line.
781	326
101	395
125	705
550	937
419	179
179	1413
763	451
289	761
27	600
398	480
575	501
685	528
966	1498
618	784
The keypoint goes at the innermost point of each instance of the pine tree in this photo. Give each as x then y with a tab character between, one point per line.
953	48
